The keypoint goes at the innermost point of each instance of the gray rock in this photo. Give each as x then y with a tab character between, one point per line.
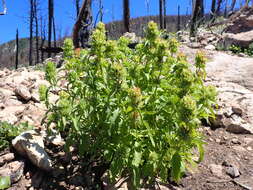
6	158
238	126
233	171
30	144
23	92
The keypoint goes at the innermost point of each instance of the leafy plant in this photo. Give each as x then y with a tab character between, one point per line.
136	110
9	132
5	182
237	49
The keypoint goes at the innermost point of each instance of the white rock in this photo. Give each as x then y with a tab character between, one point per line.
216	170
210	47
30	144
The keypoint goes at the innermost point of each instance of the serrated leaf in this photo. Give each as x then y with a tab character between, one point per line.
137	158
5	182
176	163
201	152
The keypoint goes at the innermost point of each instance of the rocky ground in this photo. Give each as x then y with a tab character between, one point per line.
38	161
228	162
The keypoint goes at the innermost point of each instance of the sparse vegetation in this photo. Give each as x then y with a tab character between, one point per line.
9	132
237	49
136	111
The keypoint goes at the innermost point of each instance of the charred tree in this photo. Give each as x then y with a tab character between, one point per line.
195	18
218	9
164	14
77	4
35	5
31	19
101	11
42	36
81	29
54	32
126	15
4	8
178	19
233	5
213	10
161	14
17	50
50	23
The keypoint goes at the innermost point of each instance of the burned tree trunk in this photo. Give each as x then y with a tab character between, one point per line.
161	14
50	23
82	24
36	30
195	18
17	50
31	33
4	8
126	15
213	10
77	2
164	14
233	5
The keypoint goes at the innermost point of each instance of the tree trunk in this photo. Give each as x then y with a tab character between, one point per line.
43	37
77	8
31	34
218	9
164	14
126	15
17	50
195	17
213	10
84	14
54	32
233	5
36	30
161	14
4	8
101	10
50	23
178	18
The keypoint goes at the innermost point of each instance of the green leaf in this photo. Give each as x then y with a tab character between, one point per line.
5	182
137	158
201	152
176	163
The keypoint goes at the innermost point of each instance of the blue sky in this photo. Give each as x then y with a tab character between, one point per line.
18	10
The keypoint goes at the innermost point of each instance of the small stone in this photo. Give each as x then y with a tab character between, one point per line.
249	148
217	140
237	110
233	171
6	158
235	141
216	169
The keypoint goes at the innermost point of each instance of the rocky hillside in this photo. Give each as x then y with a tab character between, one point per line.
38	161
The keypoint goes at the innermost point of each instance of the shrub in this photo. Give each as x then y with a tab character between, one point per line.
9	132
136	110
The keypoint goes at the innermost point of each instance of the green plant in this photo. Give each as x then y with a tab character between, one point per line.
136	110
9	132
5	182
237	49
